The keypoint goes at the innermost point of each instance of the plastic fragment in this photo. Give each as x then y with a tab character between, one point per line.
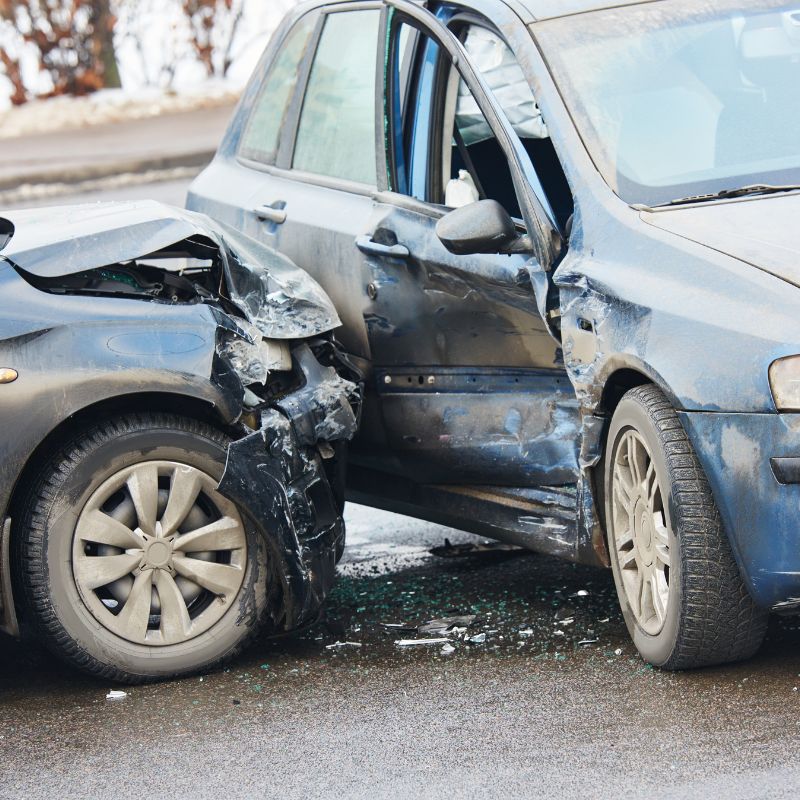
454	626
116	694
588	641
478	638
581	593
447	624
337	645
618	651
421	642
447	650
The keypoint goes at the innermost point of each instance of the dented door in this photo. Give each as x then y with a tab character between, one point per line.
471	386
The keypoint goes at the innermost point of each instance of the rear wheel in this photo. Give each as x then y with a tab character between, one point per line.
684	601
133	565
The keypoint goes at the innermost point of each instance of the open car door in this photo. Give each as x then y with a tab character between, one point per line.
474	418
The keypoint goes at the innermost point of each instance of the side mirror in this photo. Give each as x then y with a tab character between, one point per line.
6	232
482	227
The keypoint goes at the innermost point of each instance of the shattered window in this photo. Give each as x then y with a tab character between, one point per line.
336	137
260	141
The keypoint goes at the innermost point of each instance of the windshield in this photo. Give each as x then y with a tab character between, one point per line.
681	97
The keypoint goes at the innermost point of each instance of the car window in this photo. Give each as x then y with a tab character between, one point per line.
475	140
493	58
336	137
448	153
262	134
473	165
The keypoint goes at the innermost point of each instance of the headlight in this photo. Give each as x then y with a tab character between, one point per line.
784	380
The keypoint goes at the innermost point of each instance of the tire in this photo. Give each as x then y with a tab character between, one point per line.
682	595
175	608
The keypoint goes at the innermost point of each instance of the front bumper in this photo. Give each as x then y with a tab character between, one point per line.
278	474
760	514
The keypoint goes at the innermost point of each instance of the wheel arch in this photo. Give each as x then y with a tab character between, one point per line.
120	405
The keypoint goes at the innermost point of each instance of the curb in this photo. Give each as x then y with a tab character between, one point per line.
91	172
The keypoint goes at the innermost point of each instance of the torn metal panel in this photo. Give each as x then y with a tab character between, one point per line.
277	473
323	409
141	300
283	301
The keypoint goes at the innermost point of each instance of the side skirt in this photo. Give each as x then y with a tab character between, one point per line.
543	519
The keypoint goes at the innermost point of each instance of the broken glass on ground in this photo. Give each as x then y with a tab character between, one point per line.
452	625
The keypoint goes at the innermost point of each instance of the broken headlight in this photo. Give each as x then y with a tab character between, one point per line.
784	380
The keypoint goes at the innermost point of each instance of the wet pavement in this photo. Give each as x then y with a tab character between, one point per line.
554	702
537	709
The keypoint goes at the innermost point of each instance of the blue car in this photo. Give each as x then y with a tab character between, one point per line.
559	238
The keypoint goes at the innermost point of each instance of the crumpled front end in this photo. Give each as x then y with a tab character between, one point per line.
109	301
287	470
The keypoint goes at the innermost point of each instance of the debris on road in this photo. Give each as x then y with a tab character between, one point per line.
451	625
447	650
588	641
447	624
479	638
116	694
421	642
338	645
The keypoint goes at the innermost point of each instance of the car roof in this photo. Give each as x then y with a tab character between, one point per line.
538	9
548	9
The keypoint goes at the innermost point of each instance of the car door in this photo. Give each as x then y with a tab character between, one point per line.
470	384
298	168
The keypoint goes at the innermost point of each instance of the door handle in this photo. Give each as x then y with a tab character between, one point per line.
366	245
273	213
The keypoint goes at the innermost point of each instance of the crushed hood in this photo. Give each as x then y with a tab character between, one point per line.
761	231
275	295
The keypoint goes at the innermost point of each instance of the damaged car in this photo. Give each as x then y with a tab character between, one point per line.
176	414
559	236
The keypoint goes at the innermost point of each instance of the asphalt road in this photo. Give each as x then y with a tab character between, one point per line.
544	706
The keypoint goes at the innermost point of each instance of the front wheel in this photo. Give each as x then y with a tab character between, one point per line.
684	601
132	565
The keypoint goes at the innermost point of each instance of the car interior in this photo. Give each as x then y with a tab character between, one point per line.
466	161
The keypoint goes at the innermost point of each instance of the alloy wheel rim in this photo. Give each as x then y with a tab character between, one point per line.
641	532
158	553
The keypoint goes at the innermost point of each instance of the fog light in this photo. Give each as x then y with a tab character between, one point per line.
784	380
8	375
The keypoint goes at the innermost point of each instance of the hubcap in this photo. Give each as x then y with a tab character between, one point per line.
640	533
158	554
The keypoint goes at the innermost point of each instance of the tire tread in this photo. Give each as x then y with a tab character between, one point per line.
720	622
31	559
